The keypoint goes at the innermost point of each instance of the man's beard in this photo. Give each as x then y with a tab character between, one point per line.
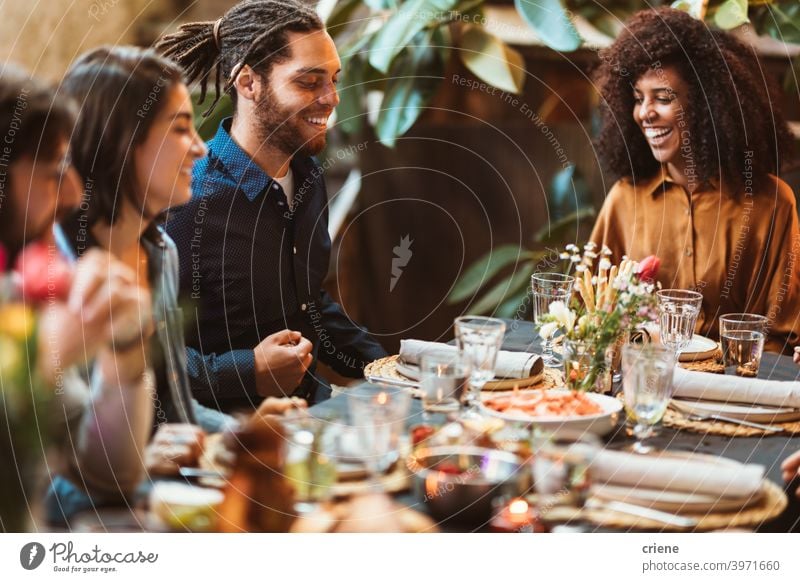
277	126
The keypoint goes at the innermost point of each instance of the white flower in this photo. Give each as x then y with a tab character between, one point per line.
590	254
607	251
605	264
563	315
575	258
590	246
548	329
563	256
571	247
580	268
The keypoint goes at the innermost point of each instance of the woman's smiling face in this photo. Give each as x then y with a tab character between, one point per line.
661	111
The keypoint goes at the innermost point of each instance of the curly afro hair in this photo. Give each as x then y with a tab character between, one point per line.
732	115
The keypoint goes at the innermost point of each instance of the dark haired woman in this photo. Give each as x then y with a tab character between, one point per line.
696	144
135	145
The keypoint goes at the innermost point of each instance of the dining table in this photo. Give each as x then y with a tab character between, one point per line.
768	451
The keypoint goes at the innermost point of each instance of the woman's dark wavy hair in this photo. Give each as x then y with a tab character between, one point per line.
120	91
252	33
732	118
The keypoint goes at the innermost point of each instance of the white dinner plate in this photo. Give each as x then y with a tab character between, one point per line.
699	348
739	411
600	424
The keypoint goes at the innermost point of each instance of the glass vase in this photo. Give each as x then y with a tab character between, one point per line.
587	368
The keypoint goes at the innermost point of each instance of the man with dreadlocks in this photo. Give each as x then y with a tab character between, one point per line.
253	241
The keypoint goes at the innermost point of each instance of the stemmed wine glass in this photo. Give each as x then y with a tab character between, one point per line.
647	385
547	288
479	340
678	310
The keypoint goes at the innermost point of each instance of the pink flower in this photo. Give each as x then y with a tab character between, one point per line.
43	273
648	268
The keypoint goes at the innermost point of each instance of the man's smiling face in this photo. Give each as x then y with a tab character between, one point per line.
300	95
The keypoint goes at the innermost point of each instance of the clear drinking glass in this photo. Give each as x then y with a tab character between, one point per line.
378	415
678	310
479	340
647	384
443	380
742	338
547	288
561	467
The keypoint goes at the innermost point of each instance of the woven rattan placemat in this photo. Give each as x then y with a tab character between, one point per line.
770	506
387	368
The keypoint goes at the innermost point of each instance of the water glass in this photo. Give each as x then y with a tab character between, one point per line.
647	385
742	338
310	456
444	380
479	340
548	288
378	415
678	310
561	463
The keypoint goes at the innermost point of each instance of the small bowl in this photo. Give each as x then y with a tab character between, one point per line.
466	496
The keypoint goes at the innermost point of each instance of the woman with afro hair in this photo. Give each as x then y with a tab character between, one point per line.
695	144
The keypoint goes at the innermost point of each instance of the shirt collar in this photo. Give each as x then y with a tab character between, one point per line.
249	177
661	181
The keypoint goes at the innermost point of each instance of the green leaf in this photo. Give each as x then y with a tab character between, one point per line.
412	83
731	14
412	17
492	60
510	308
549	20
340	17
351	111
482	270
500	292
693	7
560	229
786	24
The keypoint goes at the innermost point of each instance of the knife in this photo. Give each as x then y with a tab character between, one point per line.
645	512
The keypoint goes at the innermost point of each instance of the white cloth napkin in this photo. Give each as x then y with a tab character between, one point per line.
724	388
692	475
515	365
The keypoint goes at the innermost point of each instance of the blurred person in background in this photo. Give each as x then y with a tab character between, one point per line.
91	319
696	143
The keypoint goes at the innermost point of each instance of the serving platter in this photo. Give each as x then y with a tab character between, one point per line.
600	424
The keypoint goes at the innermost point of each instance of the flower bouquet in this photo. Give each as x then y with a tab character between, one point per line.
608	304
24	398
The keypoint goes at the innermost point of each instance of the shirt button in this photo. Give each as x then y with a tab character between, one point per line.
280	203
275	186
688	212
294	249
303	307
688	252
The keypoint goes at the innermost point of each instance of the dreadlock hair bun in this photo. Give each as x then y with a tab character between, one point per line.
253	32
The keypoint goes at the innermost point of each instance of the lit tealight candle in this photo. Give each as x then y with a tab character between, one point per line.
516	517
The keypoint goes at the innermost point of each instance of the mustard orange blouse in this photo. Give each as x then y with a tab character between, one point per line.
740	253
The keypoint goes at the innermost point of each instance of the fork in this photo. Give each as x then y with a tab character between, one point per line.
765	427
